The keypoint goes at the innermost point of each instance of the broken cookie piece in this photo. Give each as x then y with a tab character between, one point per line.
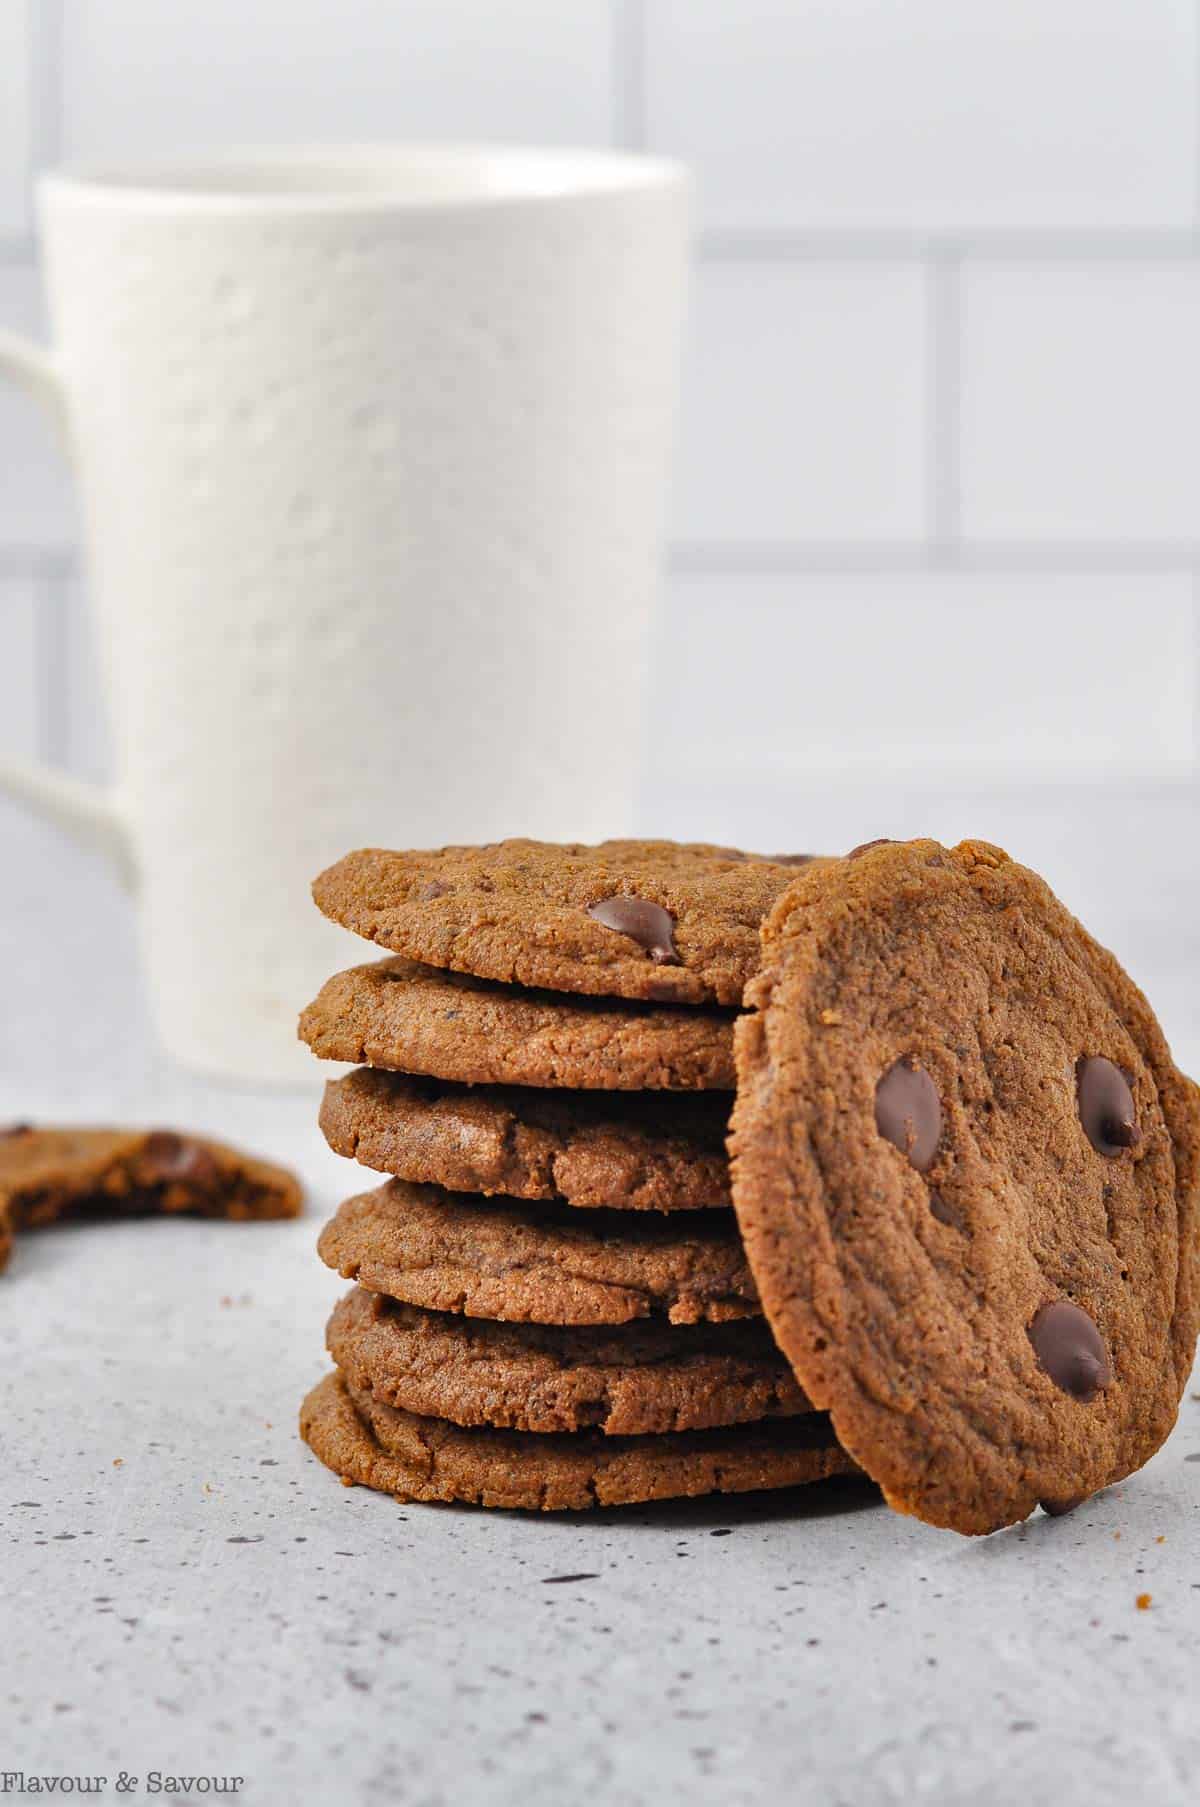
53	1172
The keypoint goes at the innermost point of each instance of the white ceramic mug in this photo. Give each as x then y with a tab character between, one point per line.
372	448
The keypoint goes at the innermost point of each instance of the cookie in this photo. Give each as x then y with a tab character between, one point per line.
642	1151
966	1171
414	1458
395	1013
50	1173
653	920
640	1379
541	1265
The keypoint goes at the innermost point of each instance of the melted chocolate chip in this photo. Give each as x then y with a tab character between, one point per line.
944	1212
167	1157
791	859
1060	1508
908	1112
1071	1349
1106	1107
647	923
866	846
16	1129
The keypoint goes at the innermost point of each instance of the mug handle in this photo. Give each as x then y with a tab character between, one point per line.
94	816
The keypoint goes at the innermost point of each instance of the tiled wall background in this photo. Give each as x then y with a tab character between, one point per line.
936	528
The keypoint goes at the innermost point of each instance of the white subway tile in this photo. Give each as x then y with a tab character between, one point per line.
1081	402
16	17
141	77
931	113
37	505
804	404
1013	678
18	670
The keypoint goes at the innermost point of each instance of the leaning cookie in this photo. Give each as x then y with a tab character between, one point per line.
52	1172
657	920
639	1151
413	1458
966	1171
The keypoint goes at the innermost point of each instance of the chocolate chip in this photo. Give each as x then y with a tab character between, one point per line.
943	1212
167	1156
647	923
16	1129
908	1112
1106	1107
866	846
1071	1349
435	888
792	859
1060	1508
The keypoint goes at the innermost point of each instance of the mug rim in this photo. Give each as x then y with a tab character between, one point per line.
270	178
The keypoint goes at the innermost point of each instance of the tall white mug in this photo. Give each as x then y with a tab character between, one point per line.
372	448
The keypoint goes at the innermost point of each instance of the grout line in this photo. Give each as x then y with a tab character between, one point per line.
1196	221
50	649
17	253
765	558
944	404
696	558
38	563
46	39
1196	662
692	558
1196	116
868	245
629	74
860	246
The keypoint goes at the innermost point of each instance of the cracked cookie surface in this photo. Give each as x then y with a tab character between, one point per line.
639	1379
398	1014
542	914
656	1151
413	1458
538	1264
965	1168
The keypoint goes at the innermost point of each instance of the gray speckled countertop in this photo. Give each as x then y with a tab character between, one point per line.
185	1590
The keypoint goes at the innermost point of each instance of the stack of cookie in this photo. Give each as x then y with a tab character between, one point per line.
553	1307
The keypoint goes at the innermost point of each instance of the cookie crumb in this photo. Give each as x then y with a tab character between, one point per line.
831	1018
118	1462
1143	1602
